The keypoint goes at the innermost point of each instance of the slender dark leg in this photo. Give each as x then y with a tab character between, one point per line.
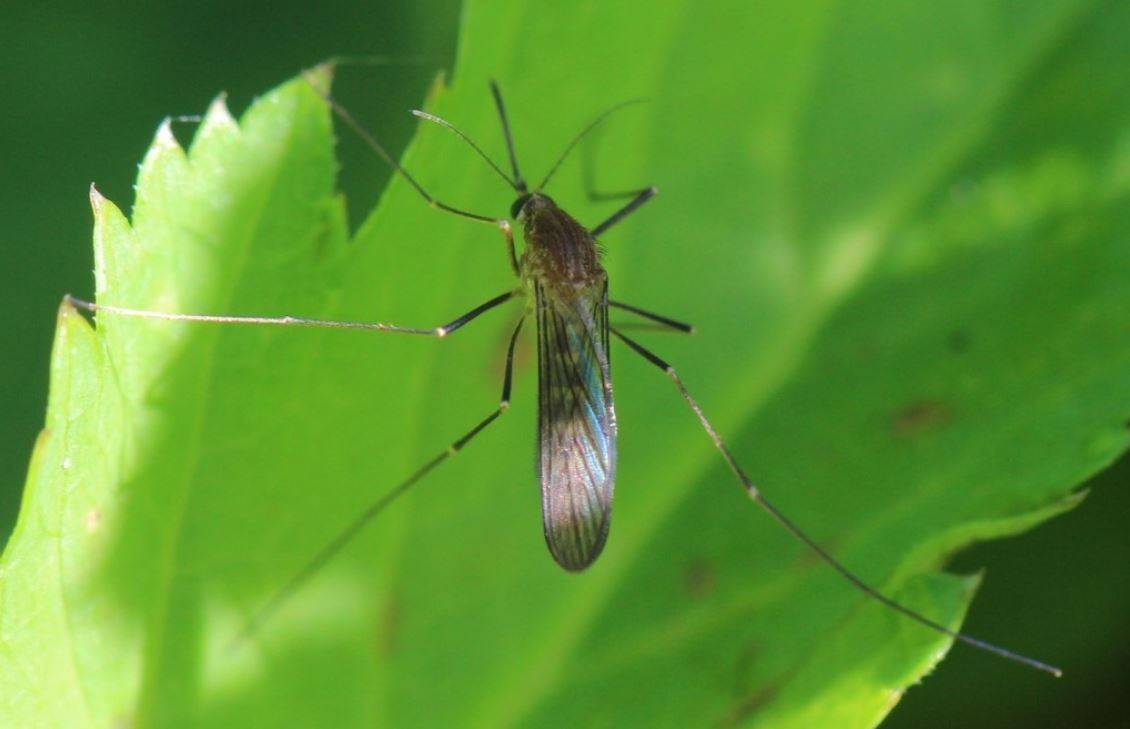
441	331
518	182
597	196
641	197
508	233
663	321
346	535
756	495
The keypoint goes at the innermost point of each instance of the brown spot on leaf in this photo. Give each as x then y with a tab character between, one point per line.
921	416
388	623
958	341
747	698
698	578
748	706
743	669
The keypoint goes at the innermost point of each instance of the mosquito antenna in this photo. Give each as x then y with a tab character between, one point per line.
519	183
445	123
374	145
591	125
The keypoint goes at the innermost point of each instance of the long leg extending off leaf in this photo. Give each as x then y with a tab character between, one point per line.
346	535
440	331
756	495
663	321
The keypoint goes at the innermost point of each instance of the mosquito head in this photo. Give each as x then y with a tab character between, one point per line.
529	204
520	205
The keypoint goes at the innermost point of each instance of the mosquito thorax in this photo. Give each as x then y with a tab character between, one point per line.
559	250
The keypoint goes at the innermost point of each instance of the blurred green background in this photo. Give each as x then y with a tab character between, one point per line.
85	89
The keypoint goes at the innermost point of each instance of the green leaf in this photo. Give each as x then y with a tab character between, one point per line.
901	231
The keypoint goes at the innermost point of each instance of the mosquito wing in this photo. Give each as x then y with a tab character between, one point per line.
576	424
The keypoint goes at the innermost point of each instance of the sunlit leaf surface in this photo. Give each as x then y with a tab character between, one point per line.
901	230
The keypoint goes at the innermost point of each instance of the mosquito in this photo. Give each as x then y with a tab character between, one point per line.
565	288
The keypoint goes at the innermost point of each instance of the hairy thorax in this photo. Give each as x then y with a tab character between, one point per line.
560	253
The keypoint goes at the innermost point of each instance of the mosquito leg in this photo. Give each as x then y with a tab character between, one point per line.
658	319
441	331
518	182
346	535
756	495
641	197
508	234
593	195
474	313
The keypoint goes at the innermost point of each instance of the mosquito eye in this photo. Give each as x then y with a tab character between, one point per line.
520	203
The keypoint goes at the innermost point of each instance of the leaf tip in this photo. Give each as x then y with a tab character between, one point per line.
164	153
66	308
436	89
96	200
218	117
320	77
165	140
1075	498
110	225
66	317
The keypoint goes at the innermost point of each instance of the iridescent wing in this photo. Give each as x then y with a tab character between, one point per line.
576	424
